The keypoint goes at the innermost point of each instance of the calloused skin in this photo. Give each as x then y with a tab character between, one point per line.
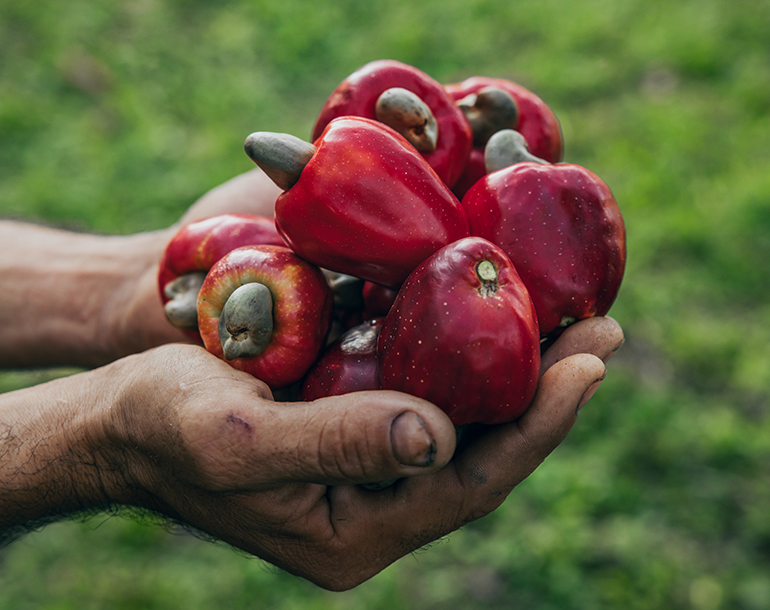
165	426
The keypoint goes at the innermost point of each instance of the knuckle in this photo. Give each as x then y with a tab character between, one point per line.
485	506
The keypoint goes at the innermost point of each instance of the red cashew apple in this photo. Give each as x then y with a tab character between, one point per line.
193	251
463	334
265	311
533	119
561	227
361	201
347	302
378	300
411	102
347	365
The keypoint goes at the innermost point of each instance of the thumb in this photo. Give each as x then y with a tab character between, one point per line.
564	389
507	454
361	437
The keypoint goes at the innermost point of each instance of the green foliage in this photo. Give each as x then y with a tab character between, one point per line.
114	117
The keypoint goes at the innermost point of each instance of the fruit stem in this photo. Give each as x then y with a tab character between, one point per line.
280	155
183	291
246	323
505	148
405	112
488	111
487	274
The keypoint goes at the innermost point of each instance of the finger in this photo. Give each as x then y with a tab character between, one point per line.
419	510
504	457
369	437
601	336
362	437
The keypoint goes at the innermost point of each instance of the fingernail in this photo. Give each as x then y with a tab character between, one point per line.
588	394
412	443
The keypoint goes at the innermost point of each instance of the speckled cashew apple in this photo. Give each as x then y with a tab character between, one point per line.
378	300
412	103
194	249
265	311
360	201
463	334
483	100
558	223
347	365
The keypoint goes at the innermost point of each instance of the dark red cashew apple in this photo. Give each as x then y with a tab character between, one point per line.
347	302
561	227
411	102
533	119
265	311
361	201
193	251
378	300
347	365
463	334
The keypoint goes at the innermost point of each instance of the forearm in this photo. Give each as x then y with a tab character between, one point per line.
51	457
77	299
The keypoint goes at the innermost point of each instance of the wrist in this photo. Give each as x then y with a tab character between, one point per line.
122	432
78	299
133	315
54	456
138	433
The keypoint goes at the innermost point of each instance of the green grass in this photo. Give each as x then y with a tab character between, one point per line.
114	117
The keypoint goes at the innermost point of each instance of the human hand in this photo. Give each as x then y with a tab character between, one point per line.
204	444
248	193
86	300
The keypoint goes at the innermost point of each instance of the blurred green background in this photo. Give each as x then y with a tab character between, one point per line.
116	116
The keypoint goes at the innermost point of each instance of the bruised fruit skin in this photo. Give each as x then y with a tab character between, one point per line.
347	365
299	307
463	334
536	122
368	205
197	246
357	95
562	228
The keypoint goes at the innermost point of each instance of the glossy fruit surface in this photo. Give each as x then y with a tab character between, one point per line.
347	365
378	300
463	334
562	228
368	205
198	245
193	251
301	310
357	96
536	122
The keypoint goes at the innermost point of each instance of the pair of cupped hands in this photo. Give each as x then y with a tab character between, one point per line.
190	437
